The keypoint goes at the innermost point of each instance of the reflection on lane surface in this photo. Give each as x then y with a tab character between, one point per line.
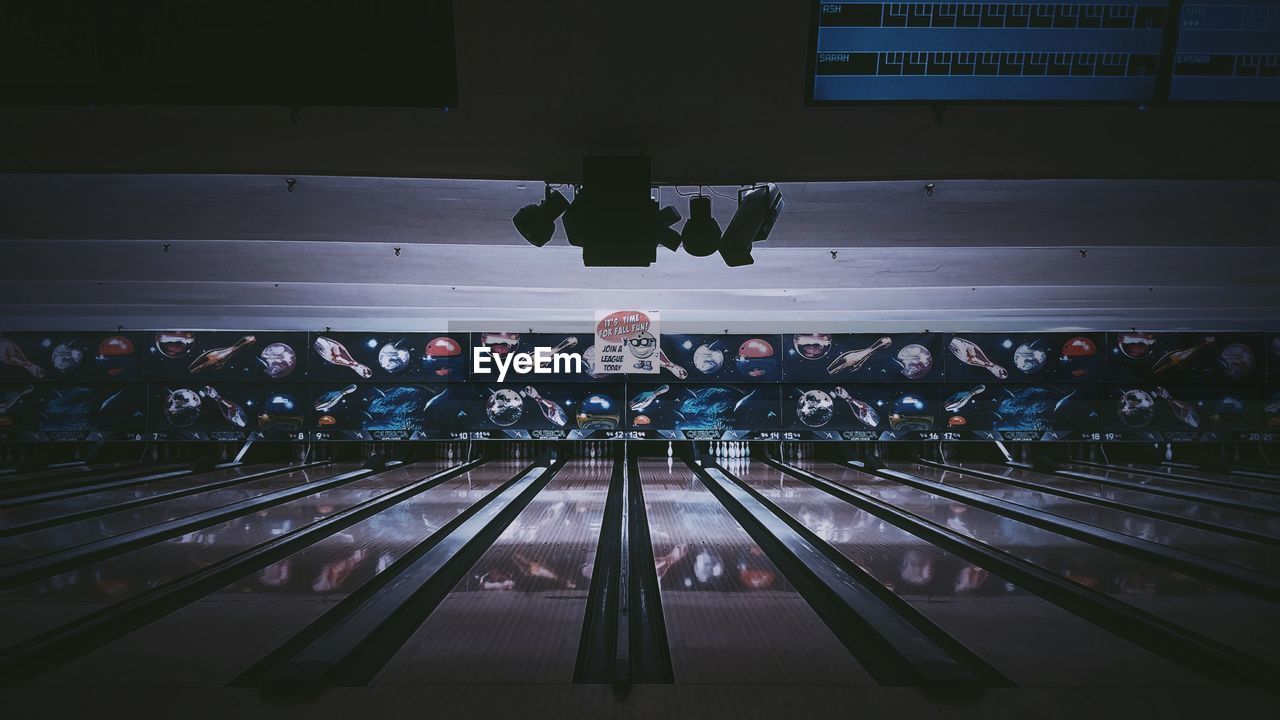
1001	622
60	537
1245	623
105	498
239	625
516	616
50	602
1244	553
731	616
1256	499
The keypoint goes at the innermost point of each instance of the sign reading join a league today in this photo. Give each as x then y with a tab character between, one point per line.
627	342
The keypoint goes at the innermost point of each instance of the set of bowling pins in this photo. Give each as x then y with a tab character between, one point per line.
451	450
592	449
518	449
730	449
797	450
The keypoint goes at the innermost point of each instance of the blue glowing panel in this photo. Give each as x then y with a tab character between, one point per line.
1228	50
994	51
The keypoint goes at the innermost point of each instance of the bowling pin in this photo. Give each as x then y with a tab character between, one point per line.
670	450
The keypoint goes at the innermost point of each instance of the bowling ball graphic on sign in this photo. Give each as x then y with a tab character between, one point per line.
756	358
811	346
1137	408
443	357
911	412
598	412
115	355
915	361
278	360
708	359
1237	361
815	408
504	407
182	407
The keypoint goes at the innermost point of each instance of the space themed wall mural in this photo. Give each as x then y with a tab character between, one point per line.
231	386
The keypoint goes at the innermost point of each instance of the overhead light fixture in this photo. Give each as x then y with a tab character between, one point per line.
758	209
667	236
701	233
537	223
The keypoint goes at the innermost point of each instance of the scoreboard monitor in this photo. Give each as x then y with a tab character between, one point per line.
867	50
1227	51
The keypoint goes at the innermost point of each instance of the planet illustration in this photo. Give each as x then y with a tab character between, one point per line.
504	407
1137	408
811	346
600	412
326	421
914	361
66	356
589	360
755	358
182	407
815	408
1079	346
280	413
278	360
1229	415
911	412
1029	359
708	359
443	357
175	344
115	354
1136	345
393	358
1237	361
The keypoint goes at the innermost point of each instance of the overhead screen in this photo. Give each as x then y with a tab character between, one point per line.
1105	51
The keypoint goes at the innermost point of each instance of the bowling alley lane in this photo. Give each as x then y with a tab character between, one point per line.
1230	517
1256	499
1251	481
240	624
516	617
49	602
730	615
1004	624
60	537
106	498
1236	620
1244	553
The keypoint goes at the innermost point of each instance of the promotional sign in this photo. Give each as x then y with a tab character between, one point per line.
70	357
1024	357
988	411
627	341
1165	358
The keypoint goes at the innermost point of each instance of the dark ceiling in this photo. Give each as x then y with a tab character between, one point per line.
713	91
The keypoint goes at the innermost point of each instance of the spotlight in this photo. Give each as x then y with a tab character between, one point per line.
536	223
701	233
758	210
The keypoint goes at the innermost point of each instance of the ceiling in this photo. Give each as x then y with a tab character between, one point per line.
714	92
89	252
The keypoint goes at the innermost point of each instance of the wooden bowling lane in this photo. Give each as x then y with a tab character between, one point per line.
104	499
49	602
1263	502
38	542
1247	624
516	616
1004	624
1263	527
1256	482
238	625
1243	553
730	615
